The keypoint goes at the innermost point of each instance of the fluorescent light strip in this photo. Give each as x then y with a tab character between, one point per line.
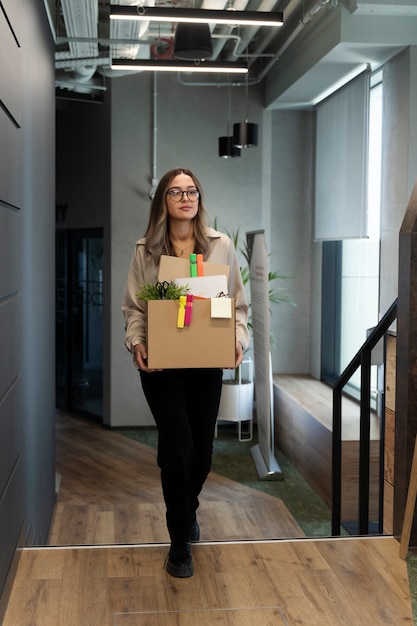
137	65
196	16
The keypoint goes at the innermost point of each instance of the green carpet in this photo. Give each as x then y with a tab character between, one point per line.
233	460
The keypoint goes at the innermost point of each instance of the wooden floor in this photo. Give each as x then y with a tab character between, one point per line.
110	494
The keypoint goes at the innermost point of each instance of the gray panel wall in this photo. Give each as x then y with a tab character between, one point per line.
189	122
269	187
261	189
291	207
399	162
258	190
11	414
27	473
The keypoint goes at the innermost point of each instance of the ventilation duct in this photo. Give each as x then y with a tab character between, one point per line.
80	18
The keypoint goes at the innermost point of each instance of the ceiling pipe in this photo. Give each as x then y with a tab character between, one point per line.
80	18
129	30
64	60
289	9
153	39
290	30
295	23
250	31
239	5
292	27
250	82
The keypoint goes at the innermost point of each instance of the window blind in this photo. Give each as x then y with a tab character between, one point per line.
341	162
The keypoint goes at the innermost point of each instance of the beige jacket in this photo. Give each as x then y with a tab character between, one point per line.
143	270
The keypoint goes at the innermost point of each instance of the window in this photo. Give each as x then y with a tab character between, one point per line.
79	321
350	301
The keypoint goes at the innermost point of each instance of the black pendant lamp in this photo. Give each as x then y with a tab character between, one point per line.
227	149
245	134
192	42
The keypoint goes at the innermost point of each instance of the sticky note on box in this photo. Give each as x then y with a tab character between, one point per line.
221	308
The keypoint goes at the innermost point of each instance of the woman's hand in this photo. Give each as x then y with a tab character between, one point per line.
140	358
239	353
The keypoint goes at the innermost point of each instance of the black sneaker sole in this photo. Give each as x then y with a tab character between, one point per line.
179	571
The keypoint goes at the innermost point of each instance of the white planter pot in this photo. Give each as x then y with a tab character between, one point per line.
236	402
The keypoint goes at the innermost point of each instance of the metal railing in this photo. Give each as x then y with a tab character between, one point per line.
361	359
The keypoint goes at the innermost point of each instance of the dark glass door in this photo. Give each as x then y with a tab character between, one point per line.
79	321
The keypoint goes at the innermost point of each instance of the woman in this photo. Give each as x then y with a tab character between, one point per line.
184	402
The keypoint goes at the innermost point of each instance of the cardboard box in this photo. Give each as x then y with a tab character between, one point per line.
207	342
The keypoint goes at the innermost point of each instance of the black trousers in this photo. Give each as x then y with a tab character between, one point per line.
184	403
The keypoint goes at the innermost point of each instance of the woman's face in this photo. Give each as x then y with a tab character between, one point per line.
182	208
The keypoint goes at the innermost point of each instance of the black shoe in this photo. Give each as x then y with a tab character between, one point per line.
179	562
195	532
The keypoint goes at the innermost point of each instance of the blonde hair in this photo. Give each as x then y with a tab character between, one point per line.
157	232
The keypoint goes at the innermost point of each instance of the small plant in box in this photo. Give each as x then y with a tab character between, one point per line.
161	291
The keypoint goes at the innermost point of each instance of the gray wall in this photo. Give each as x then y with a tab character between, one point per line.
291	214
399	162
257	190
269	187
27	301
83	164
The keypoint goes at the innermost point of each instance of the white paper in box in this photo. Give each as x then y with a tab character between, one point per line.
204	286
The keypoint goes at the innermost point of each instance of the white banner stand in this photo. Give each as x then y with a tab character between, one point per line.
263	453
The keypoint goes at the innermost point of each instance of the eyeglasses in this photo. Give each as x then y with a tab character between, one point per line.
177	195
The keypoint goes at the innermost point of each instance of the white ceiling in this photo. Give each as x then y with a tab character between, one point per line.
345	40
321	44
